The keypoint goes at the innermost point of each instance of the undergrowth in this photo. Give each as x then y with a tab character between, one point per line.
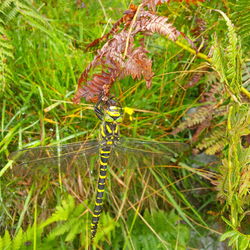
199	95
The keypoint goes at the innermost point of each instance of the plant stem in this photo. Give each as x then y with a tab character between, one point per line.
192	51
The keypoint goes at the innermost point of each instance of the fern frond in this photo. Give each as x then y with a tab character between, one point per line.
18	240
62	229
12	14
71	223
219	60
22	9
220	111
246	75
241	17
62	212
9	10
5	240
70	214
200	115
120	56
214	142
35	19
228	62
75	229
204	117
245	178
215	148
6	54
5	5
158	24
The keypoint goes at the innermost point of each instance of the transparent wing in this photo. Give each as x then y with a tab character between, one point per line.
74	167
73	158
77	153
53	155
152	147
148	153
57	163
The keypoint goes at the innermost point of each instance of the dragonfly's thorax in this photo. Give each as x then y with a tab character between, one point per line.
111	115
109	133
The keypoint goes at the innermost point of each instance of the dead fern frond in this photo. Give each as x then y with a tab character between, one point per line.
200	26
110	58
138	65
196	118
157	24
120	56
196	77
206	117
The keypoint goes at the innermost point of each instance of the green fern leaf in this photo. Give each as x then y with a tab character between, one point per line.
12	14
10	9
6	240
241	17
6	4
246	75
1	243
62	212
76	228
215	148
18	240
228	62
219	60
108	225
6	48
167	226
61	229
73	225
5	45
214	142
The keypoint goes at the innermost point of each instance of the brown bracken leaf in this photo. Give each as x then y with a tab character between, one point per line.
120	56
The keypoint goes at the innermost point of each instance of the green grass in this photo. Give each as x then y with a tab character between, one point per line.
170	207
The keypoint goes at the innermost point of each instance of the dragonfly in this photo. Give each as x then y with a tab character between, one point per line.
110	147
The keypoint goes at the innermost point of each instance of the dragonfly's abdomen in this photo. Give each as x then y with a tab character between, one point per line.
109	135
104	156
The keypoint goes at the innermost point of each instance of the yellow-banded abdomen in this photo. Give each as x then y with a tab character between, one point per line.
109	135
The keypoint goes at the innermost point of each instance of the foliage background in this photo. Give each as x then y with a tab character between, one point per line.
42	55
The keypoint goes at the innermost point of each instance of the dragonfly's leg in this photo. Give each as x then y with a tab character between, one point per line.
98	113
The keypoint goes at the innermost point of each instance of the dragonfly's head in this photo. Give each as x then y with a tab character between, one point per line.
109	111
113	114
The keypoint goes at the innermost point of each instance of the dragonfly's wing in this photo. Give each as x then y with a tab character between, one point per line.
132	144
79	153
53	154
148	153
51	159
137	164
52	170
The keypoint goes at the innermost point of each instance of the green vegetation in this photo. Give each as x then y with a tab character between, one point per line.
198	98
